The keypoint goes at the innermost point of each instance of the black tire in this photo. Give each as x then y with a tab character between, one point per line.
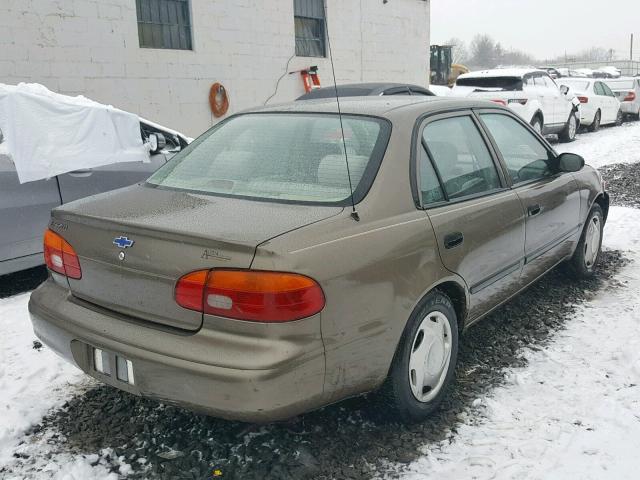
568	134
537	125
580	266
396	393
595	125
619	118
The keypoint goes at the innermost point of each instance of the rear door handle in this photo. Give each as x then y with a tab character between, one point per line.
534	210
453	240
86	172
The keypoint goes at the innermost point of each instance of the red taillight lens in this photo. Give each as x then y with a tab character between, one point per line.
583	99
258	296
60	257
631	96
500	102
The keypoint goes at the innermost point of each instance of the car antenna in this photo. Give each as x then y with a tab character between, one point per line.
354	212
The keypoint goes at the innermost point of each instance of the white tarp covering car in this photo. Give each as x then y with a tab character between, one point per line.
48	134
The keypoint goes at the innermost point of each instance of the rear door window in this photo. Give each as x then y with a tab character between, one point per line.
525	157
607	91
429	183
539	81
461	157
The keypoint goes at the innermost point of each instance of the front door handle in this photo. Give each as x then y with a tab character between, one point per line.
453	240
534	210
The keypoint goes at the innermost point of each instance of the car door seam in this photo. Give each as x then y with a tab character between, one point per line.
495	277
550	245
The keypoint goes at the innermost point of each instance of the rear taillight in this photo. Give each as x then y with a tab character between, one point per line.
499	102
631	96
583	99
258	296
521	101
60	257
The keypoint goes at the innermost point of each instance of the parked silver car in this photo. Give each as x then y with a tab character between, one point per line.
627	90
25	208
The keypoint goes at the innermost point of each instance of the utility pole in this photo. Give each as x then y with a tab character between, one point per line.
631	49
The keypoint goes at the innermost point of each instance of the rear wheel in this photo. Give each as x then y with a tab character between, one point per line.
595	126
570	129
424	364
587	253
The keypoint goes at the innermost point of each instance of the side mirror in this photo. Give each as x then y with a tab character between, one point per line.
157	142
564	89
570	162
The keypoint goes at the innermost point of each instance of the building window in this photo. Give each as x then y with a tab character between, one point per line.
310	28
164	24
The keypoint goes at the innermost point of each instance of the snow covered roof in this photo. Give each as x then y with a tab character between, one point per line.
47	134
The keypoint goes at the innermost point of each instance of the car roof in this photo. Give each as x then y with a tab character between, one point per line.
502	72
356	89
377	106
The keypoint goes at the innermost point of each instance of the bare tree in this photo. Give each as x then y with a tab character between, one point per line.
459	52
483	51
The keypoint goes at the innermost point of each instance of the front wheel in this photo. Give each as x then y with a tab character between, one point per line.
570	129
585	258
619	118
425	361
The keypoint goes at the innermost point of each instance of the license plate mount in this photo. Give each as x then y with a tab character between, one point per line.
113	365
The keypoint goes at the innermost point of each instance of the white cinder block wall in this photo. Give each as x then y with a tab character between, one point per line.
90	47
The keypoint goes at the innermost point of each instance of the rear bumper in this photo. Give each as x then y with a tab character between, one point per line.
214	371
629	108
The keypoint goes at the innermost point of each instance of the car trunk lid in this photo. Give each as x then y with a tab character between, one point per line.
135	243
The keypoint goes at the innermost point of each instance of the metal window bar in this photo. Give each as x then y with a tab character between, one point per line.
164	24
310	28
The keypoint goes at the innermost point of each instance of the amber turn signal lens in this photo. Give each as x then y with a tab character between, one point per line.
259	296
60	257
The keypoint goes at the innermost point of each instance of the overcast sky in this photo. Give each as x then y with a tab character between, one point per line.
544	28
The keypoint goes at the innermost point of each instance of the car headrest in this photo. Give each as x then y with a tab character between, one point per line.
332	170
444	152
233	165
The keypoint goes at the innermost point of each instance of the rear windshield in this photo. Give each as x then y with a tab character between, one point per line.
620	84
503	83
296	158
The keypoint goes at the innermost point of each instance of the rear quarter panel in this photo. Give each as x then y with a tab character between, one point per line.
373	272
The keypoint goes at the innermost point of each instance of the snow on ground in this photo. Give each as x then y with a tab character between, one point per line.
574	411
31	381
607	146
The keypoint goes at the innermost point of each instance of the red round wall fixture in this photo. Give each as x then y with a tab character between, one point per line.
218	99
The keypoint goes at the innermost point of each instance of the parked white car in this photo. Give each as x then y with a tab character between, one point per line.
627	90
529	92
599	105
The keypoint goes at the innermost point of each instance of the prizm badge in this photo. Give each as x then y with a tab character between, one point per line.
123	242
